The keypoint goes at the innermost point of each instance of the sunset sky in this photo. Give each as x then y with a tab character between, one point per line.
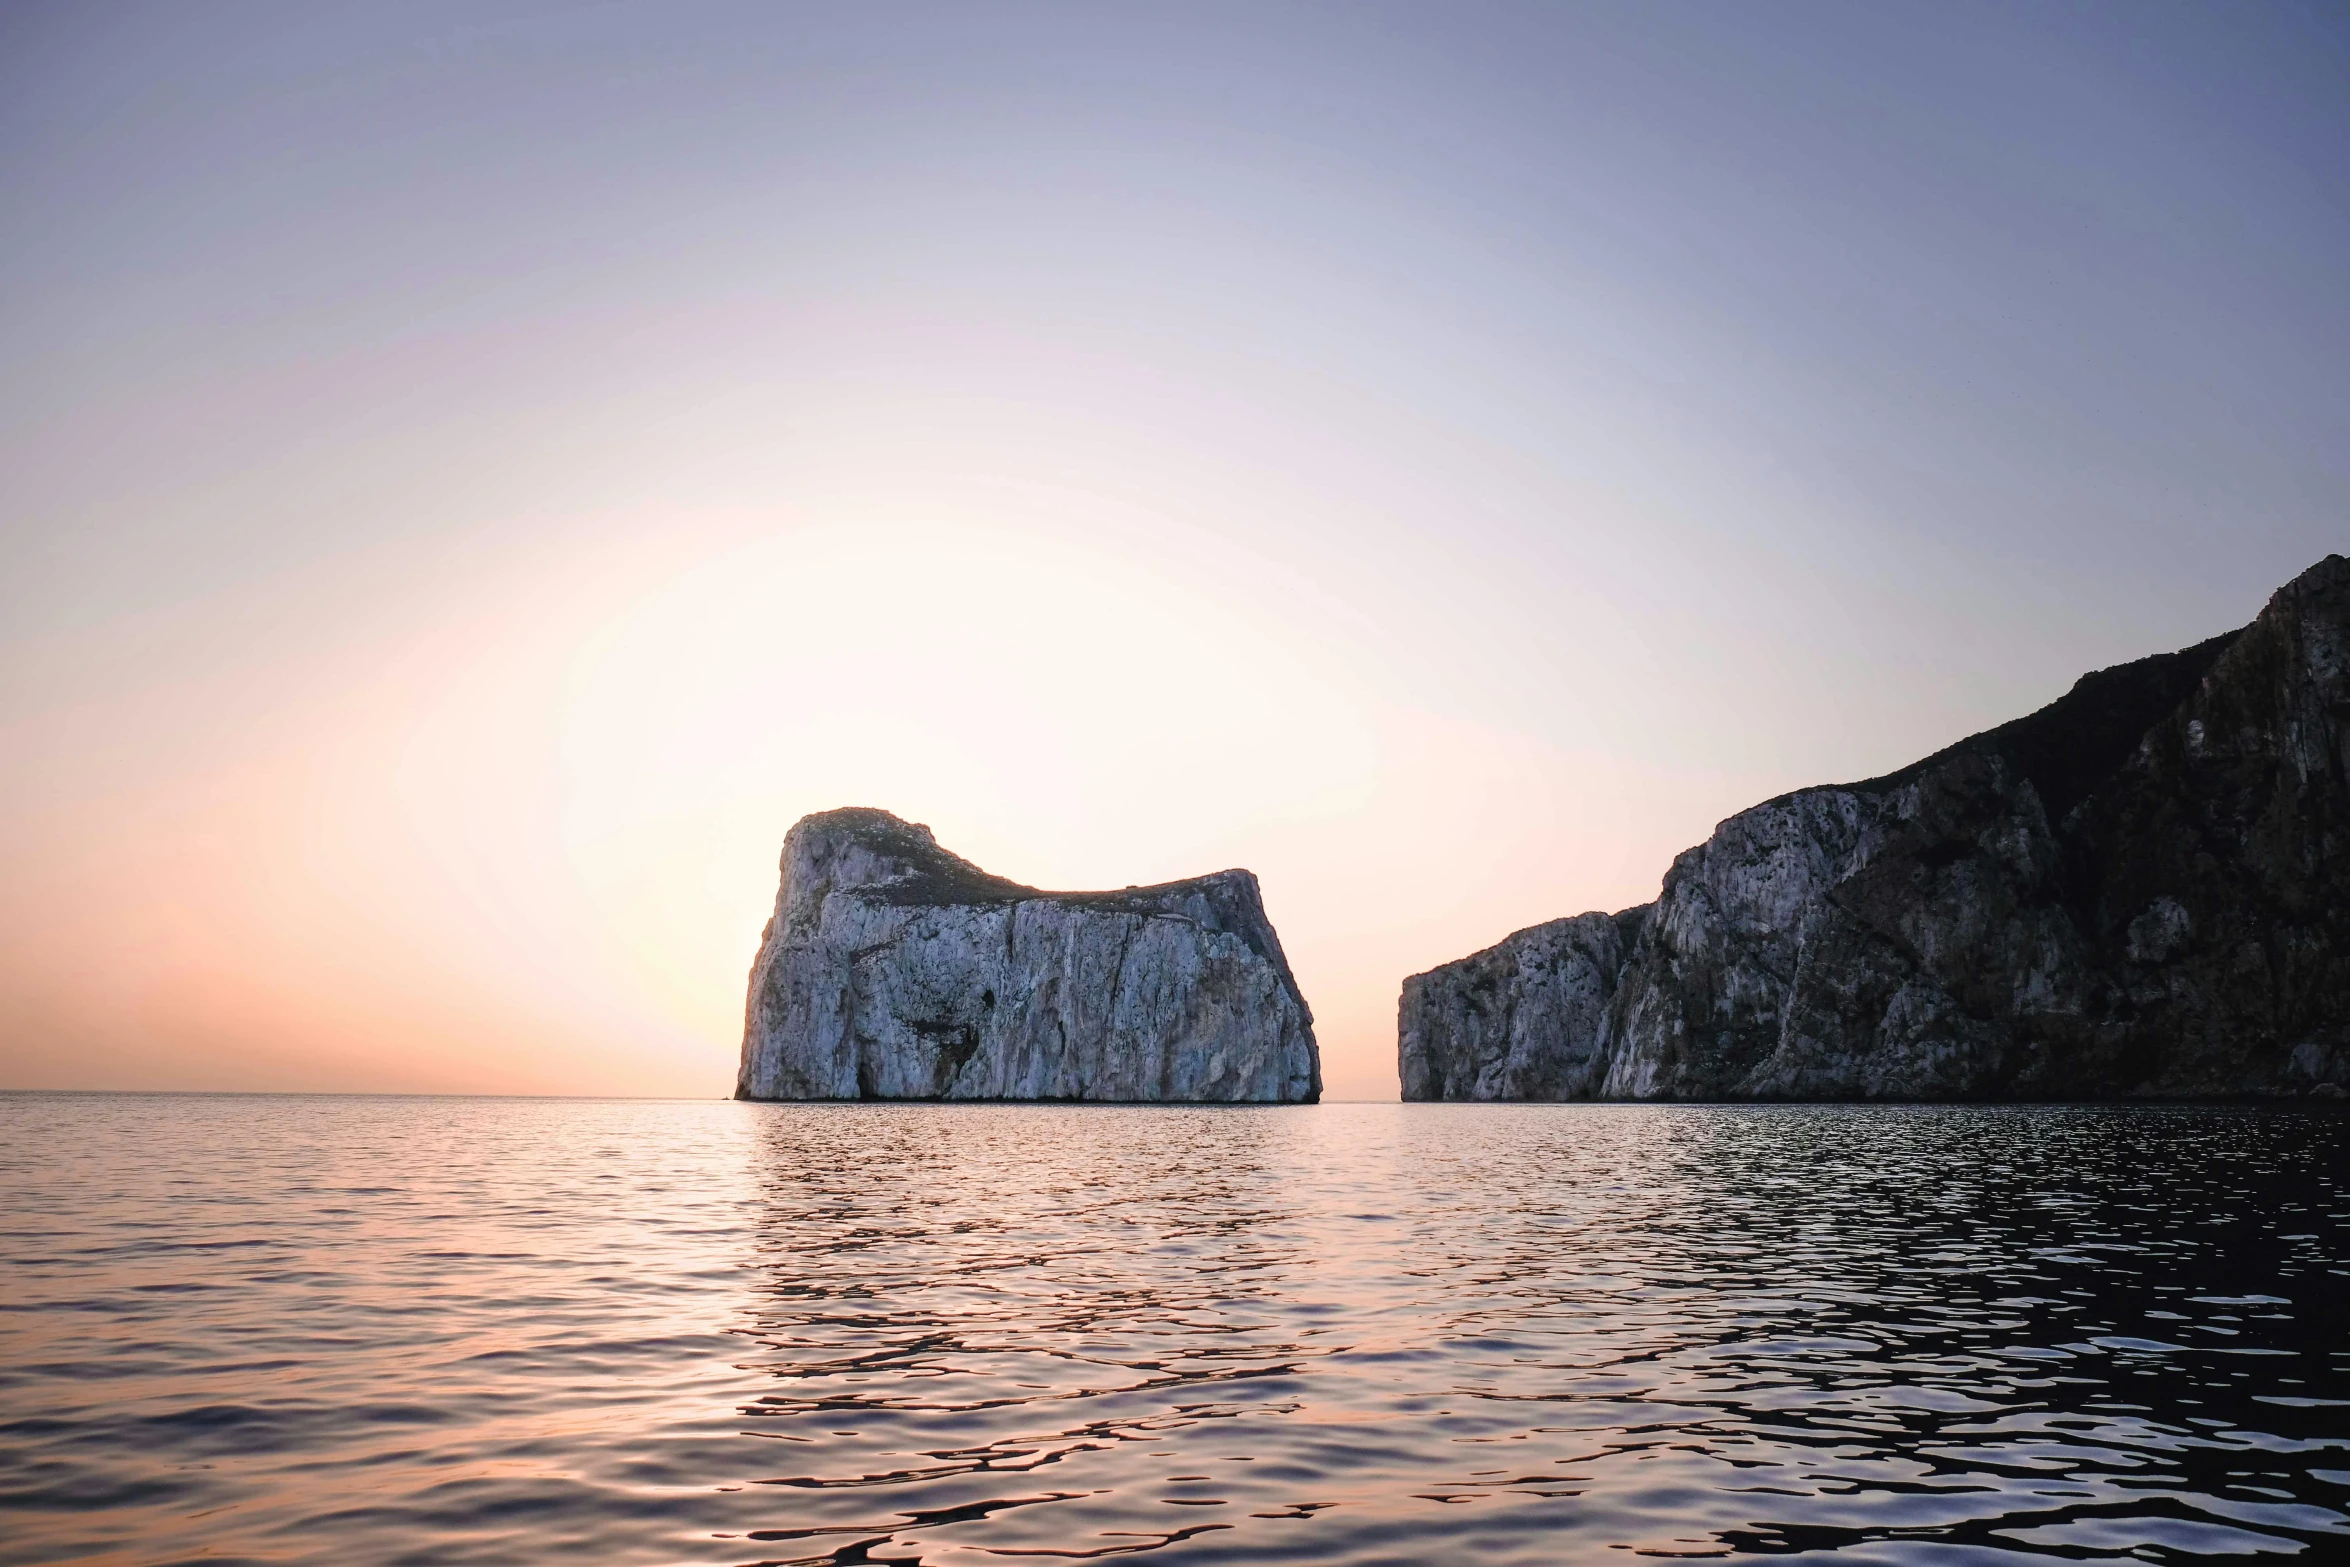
472	476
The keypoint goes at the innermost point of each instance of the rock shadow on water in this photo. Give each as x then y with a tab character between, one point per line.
1680	1331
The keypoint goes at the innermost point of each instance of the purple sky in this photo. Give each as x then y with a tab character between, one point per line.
472	475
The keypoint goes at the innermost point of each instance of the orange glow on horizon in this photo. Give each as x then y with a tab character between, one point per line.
532	850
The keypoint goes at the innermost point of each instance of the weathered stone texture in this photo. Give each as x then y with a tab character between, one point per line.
895	970
2142	889
1526	1019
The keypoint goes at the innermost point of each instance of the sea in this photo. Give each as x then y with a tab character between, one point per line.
360	1330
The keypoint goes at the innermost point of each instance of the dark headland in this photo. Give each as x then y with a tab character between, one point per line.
2142	890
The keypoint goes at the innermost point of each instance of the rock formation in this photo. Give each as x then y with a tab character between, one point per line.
2141	890
894	970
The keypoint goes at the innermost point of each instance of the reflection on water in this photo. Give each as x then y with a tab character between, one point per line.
278	1329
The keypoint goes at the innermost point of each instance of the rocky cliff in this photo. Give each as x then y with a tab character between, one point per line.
2143	889
895	970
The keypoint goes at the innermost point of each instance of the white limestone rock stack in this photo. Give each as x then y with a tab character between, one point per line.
2141	890
895	970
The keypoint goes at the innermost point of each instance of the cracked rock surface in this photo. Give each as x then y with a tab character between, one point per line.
2141	890
895	970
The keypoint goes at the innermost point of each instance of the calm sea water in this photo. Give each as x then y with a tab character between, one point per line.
448	1331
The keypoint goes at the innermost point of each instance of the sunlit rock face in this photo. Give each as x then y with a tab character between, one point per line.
2141	890
895	970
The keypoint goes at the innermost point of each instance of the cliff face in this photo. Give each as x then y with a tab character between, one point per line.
895	970
2141	889
1524	1020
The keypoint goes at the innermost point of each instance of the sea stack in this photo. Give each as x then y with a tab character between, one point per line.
2140	891
895	970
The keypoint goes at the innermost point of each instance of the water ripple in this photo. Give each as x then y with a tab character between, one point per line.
451	1331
